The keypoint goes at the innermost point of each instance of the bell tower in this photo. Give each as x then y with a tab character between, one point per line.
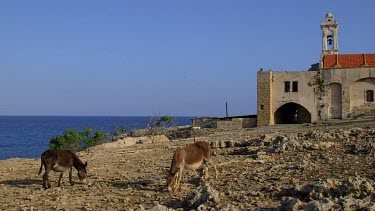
329	36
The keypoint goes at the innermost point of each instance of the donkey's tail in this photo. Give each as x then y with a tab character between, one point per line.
41	165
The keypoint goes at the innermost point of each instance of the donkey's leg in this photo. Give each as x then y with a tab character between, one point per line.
45	176
48	168
212	163
61	175
205	174
70	176
46	182
179	177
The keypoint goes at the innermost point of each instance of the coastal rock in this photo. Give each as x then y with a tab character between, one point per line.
292	204
356	187
352	193
324	205
201	195
349	203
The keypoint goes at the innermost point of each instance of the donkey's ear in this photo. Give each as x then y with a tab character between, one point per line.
165	171
86	164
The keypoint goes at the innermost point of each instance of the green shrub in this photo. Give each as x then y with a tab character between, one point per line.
119	130
69	140
75	140
92	139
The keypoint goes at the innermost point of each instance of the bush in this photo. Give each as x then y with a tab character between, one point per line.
119	130
70	140
75	140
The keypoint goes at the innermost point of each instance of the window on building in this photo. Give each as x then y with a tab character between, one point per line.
287	86
295	86
262	107
369	95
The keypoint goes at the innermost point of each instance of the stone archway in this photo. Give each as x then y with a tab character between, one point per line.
292	113
359	102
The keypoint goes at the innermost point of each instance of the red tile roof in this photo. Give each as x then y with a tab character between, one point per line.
348	60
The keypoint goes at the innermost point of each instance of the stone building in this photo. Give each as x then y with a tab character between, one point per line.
340	86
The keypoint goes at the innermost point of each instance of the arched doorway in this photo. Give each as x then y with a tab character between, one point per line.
292	113
335	96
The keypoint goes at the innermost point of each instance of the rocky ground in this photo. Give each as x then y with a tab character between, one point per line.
329	166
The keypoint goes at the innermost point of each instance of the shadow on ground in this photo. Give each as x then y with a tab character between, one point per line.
22	183
144	185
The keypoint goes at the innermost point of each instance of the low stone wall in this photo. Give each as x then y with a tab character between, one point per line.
205	122
365	110
249	122
229	124
225	123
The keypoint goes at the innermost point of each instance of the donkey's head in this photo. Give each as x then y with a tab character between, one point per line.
171	178
82	173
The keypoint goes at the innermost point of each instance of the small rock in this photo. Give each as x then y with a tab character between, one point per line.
292	204
200	196
159	207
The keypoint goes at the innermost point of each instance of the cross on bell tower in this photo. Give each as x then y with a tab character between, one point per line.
329	36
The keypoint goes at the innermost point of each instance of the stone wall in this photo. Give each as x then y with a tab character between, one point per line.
365	110
226	123
205	122
264	106
249	122
235	123
230	124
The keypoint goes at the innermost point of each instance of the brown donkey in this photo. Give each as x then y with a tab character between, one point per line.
189	157
60	161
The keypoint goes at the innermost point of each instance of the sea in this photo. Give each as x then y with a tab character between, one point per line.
29	136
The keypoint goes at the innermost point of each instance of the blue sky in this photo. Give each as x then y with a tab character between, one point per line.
179	58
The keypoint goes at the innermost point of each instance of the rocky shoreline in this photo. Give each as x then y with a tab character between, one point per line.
328	166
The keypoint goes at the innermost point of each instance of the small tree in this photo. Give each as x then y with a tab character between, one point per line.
163	121
158	126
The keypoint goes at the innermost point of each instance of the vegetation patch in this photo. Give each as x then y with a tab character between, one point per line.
75	140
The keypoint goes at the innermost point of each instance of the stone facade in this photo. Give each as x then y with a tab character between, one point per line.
342	87
354	83
275	101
